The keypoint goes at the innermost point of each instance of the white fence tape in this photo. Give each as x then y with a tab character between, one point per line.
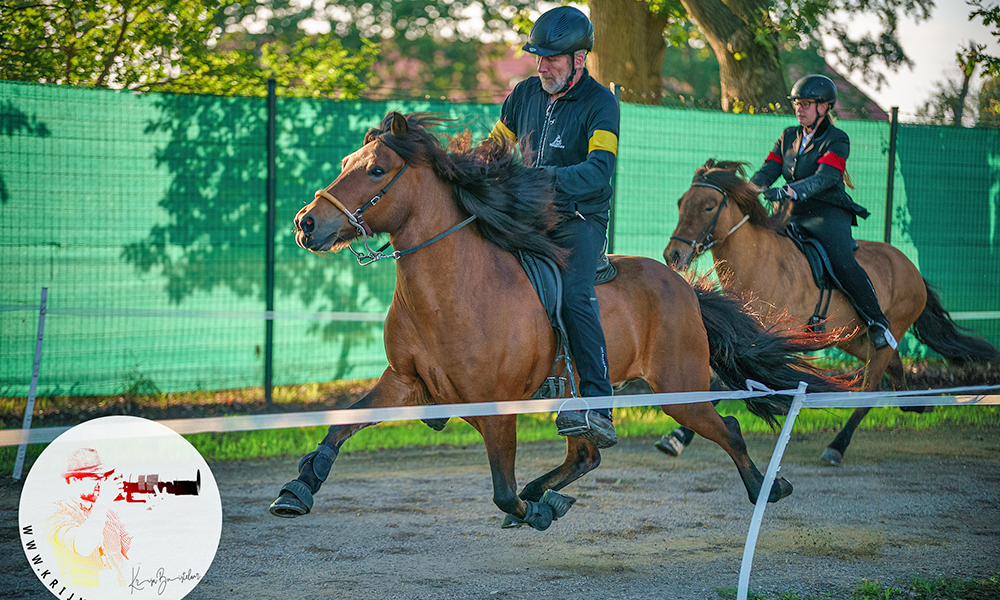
175	313
959	396
295	316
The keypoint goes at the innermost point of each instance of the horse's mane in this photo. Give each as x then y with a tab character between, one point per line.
513	204
730	176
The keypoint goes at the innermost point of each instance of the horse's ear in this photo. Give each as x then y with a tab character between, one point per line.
398	125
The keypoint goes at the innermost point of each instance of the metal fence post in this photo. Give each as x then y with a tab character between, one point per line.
617	91
29	409
269	238
893	129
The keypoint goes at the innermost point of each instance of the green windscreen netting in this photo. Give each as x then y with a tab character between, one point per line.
144	216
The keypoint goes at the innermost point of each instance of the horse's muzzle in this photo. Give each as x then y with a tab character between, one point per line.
677	259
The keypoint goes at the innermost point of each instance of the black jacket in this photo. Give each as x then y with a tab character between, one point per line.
817	174
576	137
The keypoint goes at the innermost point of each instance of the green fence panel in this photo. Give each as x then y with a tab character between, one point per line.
120	203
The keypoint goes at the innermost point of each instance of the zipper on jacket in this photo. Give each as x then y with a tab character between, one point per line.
545	130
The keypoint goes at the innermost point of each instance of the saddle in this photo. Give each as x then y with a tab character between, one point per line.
547	280
822	272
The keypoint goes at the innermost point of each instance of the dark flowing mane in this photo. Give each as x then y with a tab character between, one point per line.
513	204
730	176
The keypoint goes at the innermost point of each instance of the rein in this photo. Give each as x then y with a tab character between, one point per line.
370	256
705	241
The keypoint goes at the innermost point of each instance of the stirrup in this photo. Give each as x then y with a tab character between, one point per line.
589	425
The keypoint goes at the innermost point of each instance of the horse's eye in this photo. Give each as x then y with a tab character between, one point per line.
376	173
710	208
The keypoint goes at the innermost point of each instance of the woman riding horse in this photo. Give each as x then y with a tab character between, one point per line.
812	158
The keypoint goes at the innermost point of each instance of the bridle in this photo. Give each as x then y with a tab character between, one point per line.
355	218
705	239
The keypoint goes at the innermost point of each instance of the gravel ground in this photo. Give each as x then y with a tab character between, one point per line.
420	524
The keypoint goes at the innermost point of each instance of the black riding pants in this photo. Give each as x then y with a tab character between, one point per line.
831	226
580	311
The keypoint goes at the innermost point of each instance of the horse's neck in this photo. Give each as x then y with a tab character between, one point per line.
750	257
431	278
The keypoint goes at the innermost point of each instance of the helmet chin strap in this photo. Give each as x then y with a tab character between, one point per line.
572	74
819	117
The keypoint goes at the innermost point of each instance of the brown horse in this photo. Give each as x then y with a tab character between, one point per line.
721	211
465	324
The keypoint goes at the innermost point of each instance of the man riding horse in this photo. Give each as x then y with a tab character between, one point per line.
568	123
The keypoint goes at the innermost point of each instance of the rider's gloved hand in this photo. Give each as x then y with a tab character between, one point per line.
777	195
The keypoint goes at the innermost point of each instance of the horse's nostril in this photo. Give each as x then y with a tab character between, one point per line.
307	225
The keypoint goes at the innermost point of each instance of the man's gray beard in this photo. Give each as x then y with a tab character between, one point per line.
555	87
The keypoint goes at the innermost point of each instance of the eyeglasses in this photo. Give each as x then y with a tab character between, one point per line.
799	103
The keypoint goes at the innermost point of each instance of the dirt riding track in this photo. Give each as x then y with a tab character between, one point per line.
420	524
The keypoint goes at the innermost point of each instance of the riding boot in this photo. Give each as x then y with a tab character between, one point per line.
862	296
582	318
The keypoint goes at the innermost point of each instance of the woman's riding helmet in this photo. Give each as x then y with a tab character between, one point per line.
815	87
562	30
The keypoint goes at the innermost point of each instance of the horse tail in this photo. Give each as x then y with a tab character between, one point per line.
741	349
935	329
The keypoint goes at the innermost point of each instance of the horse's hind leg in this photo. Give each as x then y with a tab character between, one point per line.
876	367
703	419
582	457
500	436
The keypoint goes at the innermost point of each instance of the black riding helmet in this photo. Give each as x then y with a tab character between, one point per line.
562	30
815	87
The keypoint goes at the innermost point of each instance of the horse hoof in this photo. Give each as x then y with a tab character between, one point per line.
288	506
511	522
670	445
539	515
782	488
832	457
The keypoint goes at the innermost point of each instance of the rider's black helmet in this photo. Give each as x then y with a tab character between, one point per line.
815	87
562	30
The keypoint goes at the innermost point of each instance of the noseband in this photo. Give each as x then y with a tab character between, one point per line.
365	231
705	239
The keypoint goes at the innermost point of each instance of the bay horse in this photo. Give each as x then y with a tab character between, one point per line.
721	212
465	324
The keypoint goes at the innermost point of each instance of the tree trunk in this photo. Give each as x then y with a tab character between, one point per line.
628	48
749	71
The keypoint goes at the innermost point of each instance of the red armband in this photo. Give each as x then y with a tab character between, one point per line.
775	158
833	160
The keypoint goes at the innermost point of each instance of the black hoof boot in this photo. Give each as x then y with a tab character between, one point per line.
435	424
296	497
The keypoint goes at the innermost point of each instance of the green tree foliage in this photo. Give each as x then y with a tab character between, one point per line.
748	37
172	45
951	103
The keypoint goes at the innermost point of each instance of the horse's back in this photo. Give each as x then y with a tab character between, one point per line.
652	321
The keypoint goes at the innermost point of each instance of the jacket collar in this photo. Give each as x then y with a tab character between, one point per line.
818	134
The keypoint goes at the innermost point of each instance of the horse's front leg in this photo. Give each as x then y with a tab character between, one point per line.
500	436
582	457
296	497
